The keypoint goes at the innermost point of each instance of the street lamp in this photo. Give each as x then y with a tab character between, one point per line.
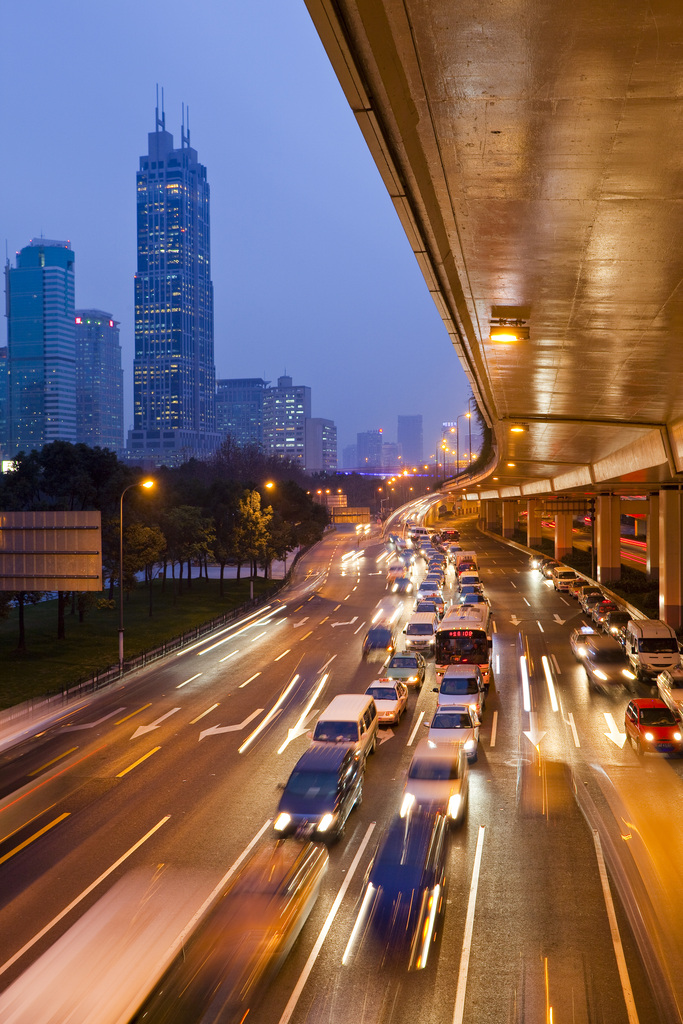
139	483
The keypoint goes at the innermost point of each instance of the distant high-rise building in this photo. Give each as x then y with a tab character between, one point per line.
391	459
42	346
350	456
99	380
369	444
321	446
4	402
239	409
175	377
285	411
410	440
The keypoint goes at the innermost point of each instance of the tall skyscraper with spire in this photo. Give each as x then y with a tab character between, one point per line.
175	375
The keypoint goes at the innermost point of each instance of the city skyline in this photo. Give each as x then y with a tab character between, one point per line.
313	274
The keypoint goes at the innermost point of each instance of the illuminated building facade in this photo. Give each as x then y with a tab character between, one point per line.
175	376
99	380
239	409
285	411
369	449
41	346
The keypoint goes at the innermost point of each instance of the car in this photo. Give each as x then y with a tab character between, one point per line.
462	684
577	641
391	697
590	598
458	722
404	898
606	664
615	623
408	666
469	588
435	577
651	726
475	599
325	785
468	579
670	689
601	609
402	585
379	642
547	568
563	578
438	779
587	590
536	561
431	595
429	606
575	587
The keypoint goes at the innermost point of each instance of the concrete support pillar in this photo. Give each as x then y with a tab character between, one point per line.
608	537
509	519
671	558
563	534
533	524
652	536
491	514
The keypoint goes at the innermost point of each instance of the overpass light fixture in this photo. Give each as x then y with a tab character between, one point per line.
518	428
511	465
507	332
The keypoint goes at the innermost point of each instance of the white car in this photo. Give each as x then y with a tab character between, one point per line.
391	697
458	722
437	779
670	689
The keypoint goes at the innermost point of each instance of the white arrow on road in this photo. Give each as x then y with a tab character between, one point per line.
216	729
558	620
155	725
514	620
300	728
91	725
614	735
533	732
384	735
295	624
349	623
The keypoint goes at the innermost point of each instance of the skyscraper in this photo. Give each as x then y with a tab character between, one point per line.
4	401
239	409
99	380
285	411
370	449
410	440
321	446
175	376
42	347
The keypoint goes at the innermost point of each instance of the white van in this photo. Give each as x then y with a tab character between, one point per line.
349	719
420	632
651	646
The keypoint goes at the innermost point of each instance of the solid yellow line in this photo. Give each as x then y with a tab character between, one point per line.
136	763
37	835
323	620
53	761
133	714
27	823
307	635
298	609
212	708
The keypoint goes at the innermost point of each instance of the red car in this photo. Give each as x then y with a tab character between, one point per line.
652	726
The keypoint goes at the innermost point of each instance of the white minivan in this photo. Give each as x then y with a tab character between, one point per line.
349	719
651	646
420	632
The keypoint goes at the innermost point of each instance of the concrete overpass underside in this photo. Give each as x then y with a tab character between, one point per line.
533	154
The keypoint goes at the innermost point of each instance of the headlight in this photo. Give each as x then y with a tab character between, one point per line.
408	801
677	736
325	822
649	737
600	675
282	822
412	679
454	806
581	651
629	675
469	744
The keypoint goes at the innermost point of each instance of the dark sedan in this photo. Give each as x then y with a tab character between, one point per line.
379	643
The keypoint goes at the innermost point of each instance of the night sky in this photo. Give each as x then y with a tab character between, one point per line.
312	273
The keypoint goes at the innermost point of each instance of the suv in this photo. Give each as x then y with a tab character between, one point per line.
379	641
462	684
324	787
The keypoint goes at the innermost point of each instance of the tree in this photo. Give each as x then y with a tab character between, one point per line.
143	547
251	529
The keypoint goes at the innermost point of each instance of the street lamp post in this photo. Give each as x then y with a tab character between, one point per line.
138	483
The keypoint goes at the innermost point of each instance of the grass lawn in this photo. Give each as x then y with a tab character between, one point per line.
91	646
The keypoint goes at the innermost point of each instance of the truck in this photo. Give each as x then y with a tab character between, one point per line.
651	646
465	560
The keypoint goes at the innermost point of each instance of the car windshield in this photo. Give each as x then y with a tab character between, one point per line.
474	599
657	716
336	732
431	768
608	657
658	645
450	687
312	784
379	636
403	663
382	692
451	720
426	606
419	629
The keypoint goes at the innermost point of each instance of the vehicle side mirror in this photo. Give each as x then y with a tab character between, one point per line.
404	630
426	724
435	689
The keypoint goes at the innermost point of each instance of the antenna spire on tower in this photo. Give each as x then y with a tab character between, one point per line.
160	121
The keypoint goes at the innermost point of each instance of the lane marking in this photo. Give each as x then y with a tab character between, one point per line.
540	626
526	602
513	584
564	600
44	782
54	760
497	664
551	684
616	937
299	987
266	620
36	835
459	1010
218	730
86	892
526	694
133	714
359	628
494	627
204	713
337	608
276	708
136	763
323	620
494	729
278	658
301	638
575	734
297	609
142	730
231	655
347	597
556	665
227	629
417	726
180	685
249	680
258	637
91	725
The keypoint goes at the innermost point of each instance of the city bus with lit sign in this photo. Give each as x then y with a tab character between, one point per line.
464	638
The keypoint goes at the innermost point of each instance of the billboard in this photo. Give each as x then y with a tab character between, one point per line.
50	551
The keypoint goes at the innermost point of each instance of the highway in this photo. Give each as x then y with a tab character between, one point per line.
181	766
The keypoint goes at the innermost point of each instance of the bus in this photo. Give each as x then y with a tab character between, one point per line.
464	638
